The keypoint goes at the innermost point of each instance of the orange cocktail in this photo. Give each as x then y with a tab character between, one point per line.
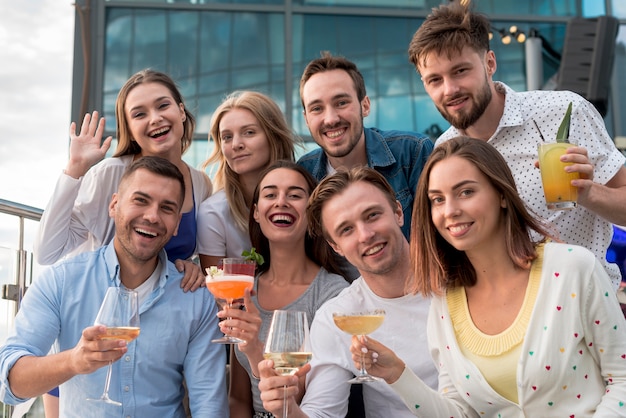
557	188
232	286
230	283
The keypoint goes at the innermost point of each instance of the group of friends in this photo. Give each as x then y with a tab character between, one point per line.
495	306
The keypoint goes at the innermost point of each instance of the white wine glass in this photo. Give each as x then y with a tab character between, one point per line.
360	323
120	315
288	345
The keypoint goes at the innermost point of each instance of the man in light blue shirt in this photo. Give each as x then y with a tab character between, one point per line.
334	102
176	327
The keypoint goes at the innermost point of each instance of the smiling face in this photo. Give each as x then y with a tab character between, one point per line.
281	208
146	210
466	209
333	112
362	225
460	86
155	120
243	142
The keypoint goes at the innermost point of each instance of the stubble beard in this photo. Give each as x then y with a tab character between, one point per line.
462	121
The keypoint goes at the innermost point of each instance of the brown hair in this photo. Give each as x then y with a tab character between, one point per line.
159	166
328	62
125	144
447	30
335	184
315	246
437	265
281	139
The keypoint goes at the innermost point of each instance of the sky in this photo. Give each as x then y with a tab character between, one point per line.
36	50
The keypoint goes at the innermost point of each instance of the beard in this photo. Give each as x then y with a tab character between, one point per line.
464	119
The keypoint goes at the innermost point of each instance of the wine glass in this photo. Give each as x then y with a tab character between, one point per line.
287	344
360	323
236	275
119	314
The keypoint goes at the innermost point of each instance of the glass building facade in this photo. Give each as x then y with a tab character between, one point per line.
212	48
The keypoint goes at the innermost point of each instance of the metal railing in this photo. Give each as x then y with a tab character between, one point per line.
22	212
23	272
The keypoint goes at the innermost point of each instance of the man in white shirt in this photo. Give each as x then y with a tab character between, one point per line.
451	52
358	214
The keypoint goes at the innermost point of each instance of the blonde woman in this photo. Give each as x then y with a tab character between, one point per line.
250	133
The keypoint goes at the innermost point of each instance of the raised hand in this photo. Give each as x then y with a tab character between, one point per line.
86	147
378	360
92	353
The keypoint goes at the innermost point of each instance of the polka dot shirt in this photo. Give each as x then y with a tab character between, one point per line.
527	117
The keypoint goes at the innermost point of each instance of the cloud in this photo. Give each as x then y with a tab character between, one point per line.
36	48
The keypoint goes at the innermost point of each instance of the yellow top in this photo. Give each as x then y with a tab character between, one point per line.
496	356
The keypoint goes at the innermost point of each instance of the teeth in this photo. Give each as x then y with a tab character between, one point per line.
159	131
335	134
144	232
374	249
282	219
457	229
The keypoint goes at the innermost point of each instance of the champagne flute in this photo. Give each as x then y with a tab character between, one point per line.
236	276
360	323
288	345
120	315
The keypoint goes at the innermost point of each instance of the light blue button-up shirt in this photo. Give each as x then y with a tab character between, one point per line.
399	156
175	338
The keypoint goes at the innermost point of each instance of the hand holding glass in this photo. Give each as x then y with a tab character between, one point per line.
360	323
120	314
238	275
287	344
557	187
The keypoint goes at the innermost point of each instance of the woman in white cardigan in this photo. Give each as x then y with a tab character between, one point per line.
516	328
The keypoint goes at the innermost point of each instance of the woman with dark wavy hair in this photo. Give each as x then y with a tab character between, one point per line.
299	273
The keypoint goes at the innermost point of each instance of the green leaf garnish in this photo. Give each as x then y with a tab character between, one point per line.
253	255
562	135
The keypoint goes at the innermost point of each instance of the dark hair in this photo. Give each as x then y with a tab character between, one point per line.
335	184
125	144
315	247
159	166
328	62
437	265
447	30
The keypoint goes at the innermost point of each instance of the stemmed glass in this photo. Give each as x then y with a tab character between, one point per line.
119	313
288	345
236	275
360	323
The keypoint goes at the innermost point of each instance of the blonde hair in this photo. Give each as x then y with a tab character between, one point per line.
280	137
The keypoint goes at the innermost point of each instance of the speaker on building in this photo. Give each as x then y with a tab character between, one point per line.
587	59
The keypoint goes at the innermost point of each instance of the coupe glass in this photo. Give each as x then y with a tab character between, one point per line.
360	323
237	276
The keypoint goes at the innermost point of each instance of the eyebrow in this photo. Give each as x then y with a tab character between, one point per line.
272	186
456	186
146	195
158	99
338	96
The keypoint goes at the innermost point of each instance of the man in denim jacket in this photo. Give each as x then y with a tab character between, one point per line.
334	104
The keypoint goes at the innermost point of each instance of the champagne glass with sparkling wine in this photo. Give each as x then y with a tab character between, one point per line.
120	315
287	344
360	323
